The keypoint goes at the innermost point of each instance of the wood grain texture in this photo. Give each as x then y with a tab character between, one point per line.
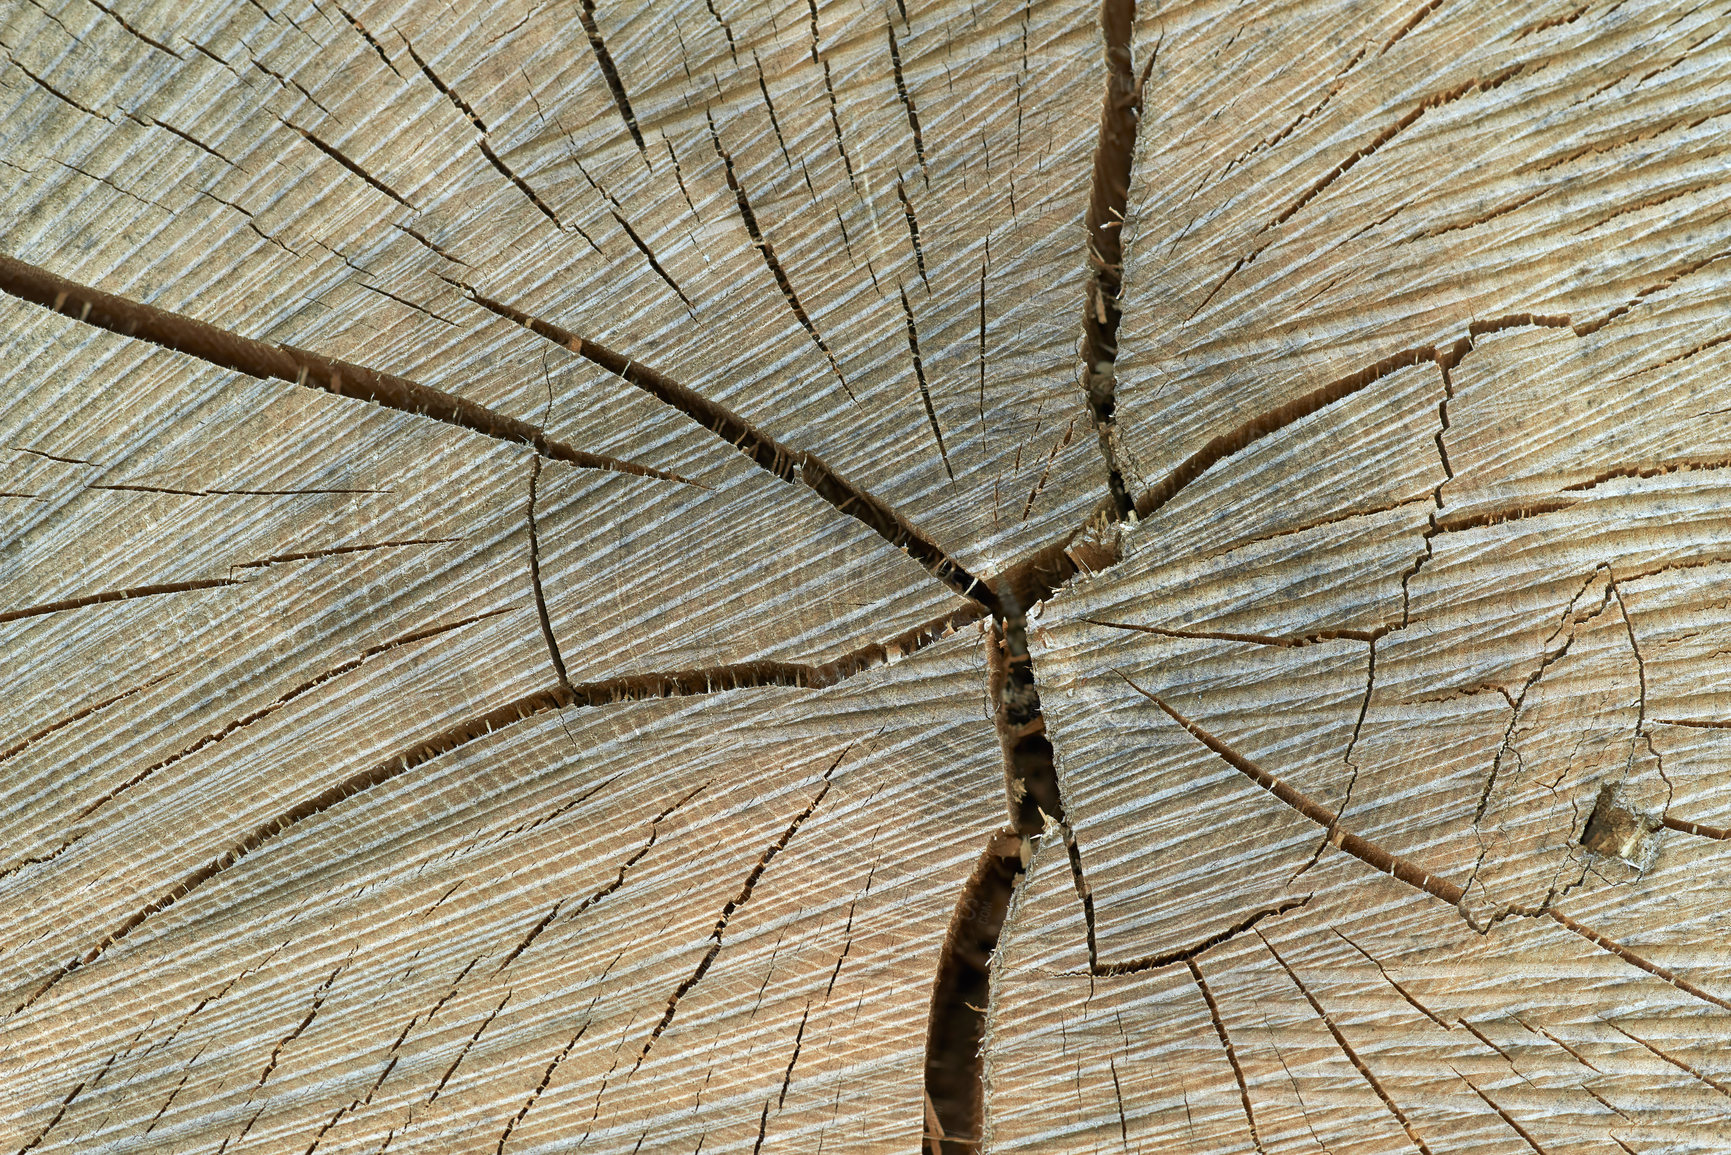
1378	769
679	911
962	577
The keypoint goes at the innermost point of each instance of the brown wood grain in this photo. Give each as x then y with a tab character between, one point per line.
971	577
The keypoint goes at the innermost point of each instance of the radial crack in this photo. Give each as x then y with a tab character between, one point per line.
732	906
464	1053
610	71
1346	1049
764	450
115	596
535	580
540	1088
828	87
961	992
329	150
261	359
767	250
920	376
278	703
338	792
35	736
1226	1045
1114	159
1226	444
906	99
612	886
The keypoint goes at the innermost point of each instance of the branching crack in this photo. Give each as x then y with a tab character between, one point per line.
1185	954
954	1096
764	450
1446	357
1384	861
1572	620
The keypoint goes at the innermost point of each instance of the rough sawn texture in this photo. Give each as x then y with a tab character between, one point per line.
571	572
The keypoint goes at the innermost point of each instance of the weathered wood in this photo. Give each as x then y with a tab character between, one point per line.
987	576
1387	749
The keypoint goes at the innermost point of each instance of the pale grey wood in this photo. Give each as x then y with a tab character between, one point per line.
610	754
1389	748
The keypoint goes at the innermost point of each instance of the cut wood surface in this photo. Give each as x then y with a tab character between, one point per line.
966	576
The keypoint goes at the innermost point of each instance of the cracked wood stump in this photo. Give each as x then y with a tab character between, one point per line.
718	576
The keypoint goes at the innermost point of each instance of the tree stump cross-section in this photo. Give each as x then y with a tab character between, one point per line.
716	576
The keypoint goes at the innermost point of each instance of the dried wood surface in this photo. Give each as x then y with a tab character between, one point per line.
570	574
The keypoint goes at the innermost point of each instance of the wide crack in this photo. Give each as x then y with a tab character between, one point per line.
1113	159
954	1092
961	995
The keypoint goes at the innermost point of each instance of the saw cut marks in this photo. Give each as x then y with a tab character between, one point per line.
450	169
684	917
1348	1027
1375	838
1404	185
533	537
